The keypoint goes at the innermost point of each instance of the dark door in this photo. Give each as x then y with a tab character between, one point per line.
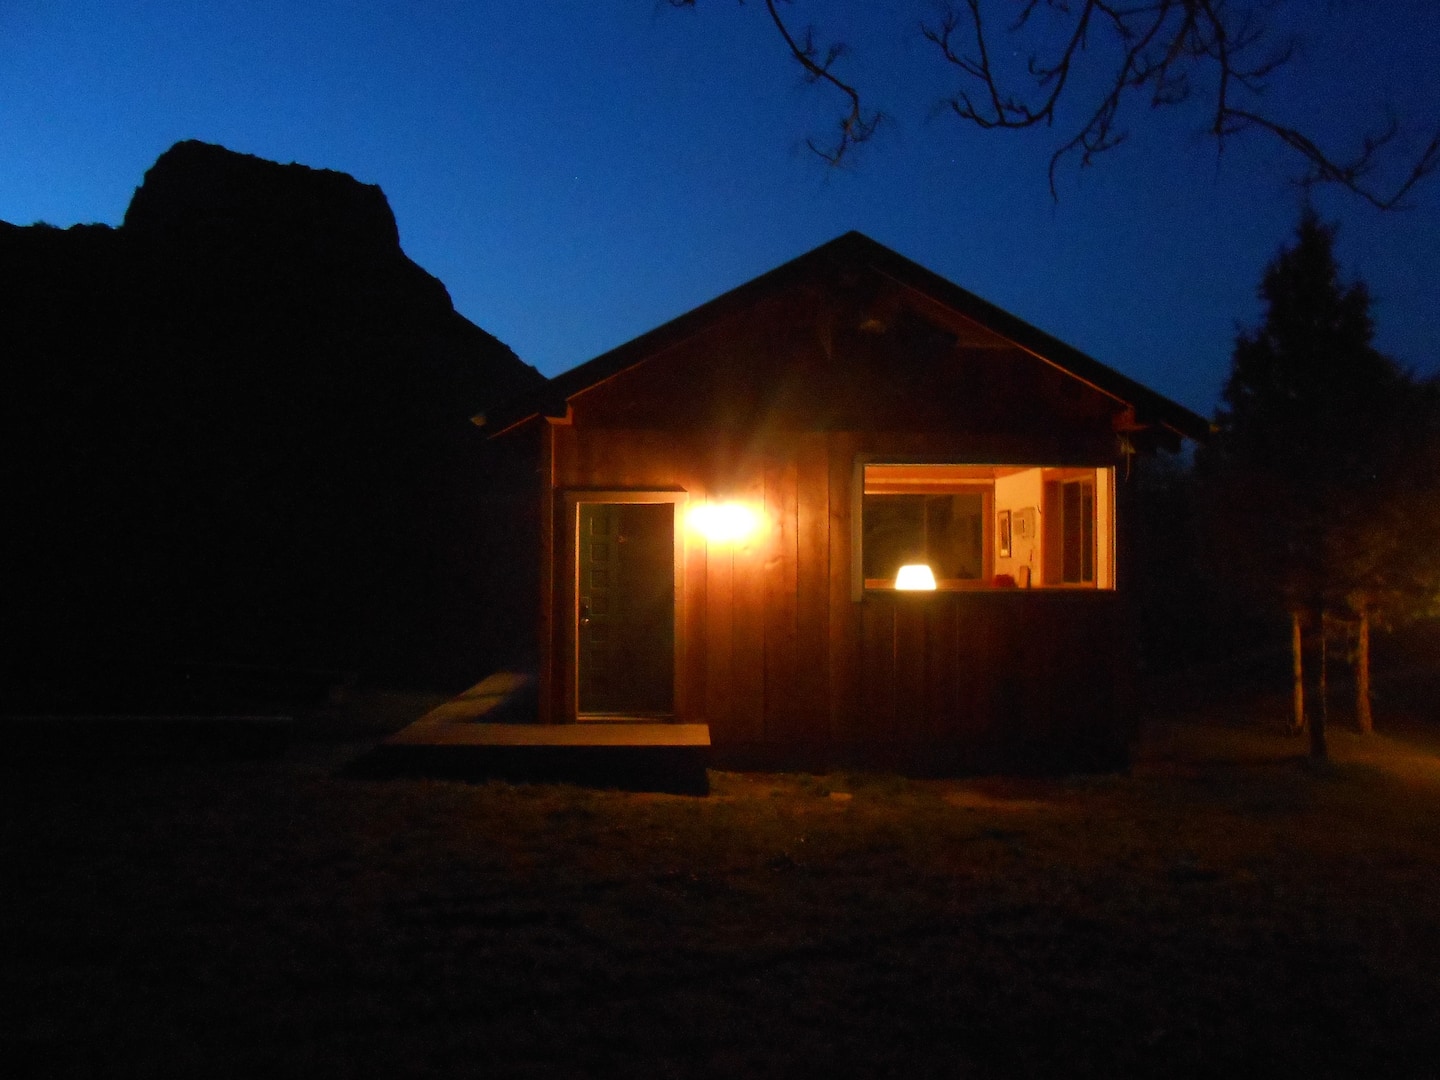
1077	529
626	633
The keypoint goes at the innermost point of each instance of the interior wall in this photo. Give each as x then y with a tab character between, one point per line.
1017	493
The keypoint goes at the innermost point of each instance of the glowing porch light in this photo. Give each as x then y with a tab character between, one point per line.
915	577
724	523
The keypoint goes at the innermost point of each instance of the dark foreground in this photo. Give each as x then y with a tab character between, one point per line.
1226	909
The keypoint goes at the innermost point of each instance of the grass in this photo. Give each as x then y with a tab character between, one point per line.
1225	908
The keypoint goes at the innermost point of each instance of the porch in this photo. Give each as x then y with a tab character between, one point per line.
489	732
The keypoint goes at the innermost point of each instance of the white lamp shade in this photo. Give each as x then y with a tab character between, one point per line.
915	577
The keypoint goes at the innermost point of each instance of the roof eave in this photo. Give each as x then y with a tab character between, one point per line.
552	398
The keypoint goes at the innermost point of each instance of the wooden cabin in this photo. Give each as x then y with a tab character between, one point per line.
728	512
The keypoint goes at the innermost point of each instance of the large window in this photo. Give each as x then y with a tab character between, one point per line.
987	526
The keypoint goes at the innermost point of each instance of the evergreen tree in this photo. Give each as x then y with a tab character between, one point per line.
1385	550
1324	448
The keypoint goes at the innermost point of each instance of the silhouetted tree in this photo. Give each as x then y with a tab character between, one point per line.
1096	58
1383	548
1160	564
1323	465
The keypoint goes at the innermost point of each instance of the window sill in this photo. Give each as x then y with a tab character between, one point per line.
879	588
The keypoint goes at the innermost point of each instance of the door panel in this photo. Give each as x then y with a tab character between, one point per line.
626	632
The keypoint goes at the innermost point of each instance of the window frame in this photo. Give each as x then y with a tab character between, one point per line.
986	495
1047	488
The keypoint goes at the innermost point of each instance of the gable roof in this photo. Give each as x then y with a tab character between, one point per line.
855	252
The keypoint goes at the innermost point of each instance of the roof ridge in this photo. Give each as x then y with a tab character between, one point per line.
550	399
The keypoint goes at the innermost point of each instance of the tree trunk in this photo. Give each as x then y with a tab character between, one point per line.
1297	641
1323	686
1363	715
1319	750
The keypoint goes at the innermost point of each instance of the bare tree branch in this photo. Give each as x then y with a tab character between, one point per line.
857	125
1167	47
1162	53
1351	174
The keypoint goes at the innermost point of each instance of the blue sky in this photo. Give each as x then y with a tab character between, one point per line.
577	173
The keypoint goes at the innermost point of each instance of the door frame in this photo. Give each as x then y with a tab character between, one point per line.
568	573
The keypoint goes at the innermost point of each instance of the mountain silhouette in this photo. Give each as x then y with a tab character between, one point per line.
237	431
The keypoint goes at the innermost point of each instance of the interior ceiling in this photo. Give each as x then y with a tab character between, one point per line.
926	475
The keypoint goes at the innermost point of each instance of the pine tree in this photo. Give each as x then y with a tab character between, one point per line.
1324	446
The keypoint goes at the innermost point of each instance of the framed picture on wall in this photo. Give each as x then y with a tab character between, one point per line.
1003	532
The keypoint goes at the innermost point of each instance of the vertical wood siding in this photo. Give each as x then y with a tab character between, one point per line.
787	668
779	657
1008	677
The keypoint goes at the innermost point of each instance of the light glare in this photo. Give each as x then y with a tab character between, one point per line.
915	577
724	523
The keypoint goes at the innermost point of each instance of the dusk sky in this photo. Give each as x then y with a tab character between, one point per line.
577	173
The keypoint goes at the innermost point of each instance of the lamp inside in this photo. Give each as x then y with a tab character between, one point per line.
915	577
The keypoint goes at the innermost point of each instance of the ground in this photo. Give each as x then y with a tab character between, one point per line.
1224	908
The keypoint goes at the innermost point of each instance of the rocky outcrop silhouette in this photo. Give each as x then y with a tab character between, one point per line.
237	432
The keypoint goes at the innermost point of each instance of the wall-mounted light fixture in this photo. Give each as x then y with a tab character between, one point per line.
724	523
915	577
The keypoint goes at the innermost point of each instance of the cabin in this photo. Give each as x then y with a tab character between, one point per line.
846	514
